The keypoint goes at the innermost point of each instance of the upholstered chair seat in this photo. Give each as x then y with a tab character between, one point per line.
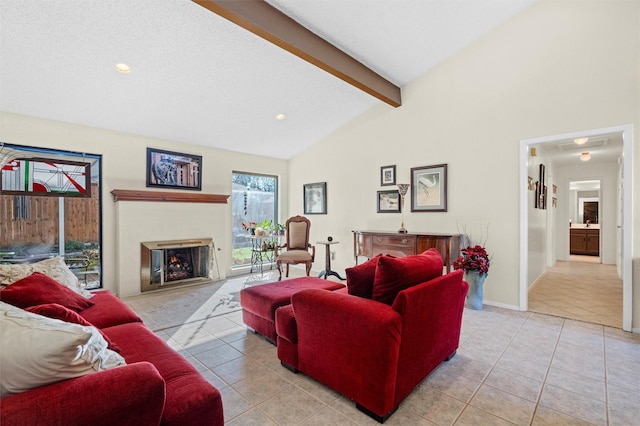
297	248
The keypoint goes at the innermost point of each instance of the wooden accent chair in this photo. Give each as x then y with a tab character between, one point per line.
297	245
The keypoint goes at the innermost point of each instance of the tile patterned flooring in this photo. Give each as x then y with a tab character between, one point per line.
512	367
580	289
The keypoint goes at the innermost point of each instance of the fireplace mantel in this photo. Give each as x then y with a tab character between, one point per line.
175	197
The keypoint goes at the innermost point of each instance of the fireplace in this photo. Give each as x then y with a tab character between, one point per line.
167	264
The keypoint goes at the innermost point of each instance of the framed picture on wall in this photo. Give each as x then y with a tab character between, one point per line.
387	175
388	202
315	198
429	188
174	170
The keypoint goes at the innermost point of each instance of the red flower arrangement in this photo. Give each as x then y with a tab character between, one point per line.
473	259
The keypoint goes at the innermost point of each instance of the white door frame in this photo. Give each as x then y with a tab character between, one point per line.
627	222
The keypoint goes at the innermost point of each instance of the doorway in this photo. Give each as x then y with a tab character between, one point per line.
585	232
560	240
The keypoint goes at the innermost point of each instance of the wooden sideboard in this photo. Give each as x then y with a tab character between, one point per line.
373	243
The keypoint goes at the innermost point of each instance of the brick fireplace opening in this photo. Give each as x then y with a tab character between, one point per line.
165	264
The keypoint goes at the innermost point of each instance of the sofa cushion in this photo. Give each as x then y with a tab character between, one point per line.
38	350
56	311
190	400
108	310
38	289
360	278
394	274
55	268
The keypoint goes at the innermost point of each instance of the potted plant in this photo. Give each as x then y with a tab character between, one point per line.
263	228
278	229
475	262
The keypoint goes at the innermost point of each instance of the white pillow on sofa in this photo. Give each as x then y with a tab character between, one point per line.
36	350
53	267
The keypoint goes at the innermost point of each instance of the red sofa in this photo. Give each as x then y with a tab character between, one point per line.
157	386
370	351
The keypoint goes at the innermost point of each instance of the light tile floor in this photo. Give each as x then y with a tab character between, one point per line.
512	367
580	290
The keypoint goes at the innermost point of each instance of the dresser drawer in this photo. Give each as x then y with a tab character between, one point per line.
395	240
396	245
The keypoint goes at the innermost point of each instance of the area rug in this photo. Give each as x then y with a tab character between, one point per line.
174	307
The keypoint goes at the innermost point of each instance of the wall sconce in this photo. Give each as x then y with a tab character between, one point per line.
585	156
533	152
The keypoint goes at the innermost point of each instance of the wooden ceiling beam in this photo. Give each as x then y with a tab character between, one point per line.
264	20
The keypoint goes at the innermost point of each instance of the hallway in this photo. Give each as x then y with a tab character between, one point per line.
584	291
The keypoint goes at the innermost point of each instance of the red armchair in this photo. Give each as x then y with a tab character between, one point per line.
368	351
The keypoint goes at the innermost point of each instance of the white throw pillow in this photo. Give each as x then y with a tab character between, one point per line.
36	350
53	267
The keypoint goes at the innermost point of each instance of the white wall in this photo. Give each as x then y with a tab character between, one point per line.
559	67
123	167
541	224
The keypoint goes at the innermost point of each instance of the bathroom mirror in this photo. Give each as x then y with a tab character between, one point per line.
583	202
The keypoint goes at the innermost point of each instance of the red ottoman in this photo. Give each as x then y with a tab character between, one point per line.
259	303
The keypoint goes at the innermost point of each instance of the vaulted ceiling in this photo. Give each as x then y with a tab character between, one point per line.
198	78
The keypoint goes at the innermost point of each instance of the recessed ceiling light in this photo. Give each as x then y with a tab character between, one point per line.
585	156
280	117
123	68
580	141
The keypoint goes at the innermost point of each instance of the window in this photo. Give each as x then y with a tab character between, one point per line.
254	198
46	213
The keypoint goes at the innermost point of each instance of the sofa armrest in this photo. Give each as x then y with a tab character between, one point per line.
349	343
129	395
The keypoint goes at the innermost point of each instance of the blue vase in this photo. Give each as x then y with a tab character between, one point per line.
476	285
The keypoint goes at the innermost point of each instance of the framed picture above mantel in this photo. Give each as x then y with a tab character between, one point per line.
168	169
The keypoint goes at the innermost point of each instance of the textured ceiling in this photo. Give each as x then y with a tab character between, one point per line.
199	79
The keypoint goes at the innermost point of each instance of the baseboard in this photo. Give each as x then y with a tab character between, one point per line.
502	305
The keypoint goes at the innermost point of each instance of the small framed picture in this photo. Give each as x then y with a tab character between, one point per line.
315	198
388	202
387	175
429	188
175	170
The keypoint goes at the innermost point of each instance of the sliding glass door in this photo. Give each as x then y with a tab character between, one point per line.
254	202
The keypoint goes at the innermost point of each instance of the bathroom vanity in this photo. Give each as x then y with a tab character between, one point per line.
584	241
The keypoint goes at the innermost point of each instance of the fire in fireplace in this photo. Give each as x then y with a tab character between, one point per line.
171	263
179	264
